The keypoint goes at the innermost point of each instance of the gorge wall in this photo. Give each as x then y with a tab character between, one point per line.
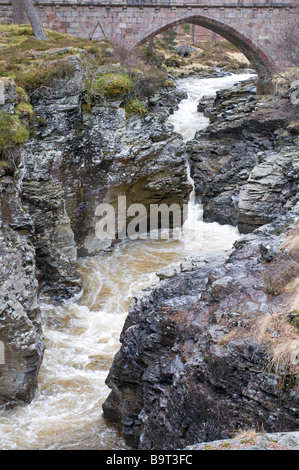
191	367
50	189
195	363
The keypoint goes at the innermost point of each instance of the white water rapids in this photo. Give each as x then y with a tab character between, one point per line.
82	338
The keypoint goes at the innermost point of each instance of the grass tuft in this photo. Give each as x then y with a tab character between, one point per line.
12	132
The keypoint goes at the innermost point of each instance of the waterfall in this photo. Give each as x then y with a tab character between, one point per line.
83	337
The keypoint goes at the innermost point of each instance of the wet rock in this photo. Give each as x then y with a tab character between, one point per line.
97	156
190	368
247	138
271	189
20	323
50	190
21	337
182	374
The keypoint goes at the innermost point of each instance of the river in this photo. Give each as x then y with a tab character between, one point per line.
83	337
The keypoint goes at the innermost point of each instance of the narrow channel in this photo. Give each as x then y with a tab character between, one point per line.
82	338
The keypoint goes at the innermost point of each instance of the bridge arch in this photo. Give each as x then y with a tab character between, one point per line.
262	63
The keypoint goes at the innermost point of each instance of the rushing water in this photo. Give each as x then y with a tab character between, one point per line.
82	338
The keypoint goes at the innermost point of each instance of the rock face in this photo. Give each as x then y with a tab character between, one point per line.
191	367
247	134
179	377
81	160
21	337
20	325
50	189
272	188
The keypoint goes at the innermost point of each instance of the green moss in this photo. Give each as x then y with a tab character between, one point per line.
134	107
5	167
21	94
111	85
169	84
20	56
12	132
24	108
26	114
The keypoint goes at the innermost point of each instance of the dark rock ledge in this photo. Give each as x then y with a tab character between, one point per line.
179	378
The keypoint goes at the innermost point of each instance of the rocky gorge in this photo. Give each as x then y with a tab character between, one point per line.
198	358
51	189
195	363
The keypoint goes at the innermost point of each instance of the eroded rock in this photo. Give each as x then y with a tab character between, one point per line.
189	369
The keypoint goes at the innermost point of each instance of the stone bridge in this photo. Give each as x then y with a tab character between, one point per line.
258	28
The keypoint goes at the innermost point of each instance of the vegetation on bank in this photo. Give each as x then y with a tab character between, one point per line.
134	107
111	85
203	58
12	132
283	279
278	333
94	69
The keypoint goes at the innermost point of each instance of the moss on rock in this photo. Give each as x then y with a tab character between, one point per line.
134	107
12	132
26	114
111	85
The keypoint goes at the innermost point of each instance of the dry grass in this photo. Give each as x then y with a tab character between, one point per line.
237	333
292	241
283	273
281	340
282	81
203	60
248	435
292	245
32	63
278	333
43	66
294	304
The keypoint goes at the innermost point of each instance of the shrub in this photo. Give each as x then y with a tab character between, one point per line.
134	107
34	78
147	82
111	85
169	84
174	61
26	114
21	95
